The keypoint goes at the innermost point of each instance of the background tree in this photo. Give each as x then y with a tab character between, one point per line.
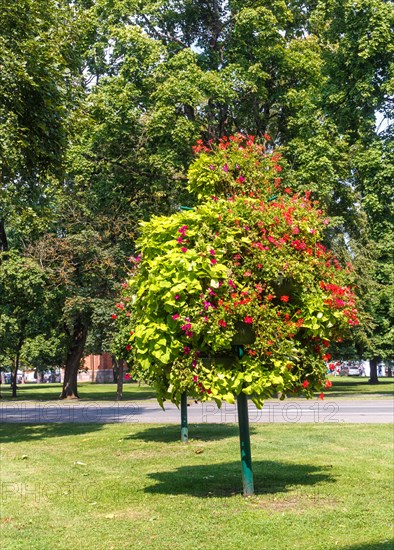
38	82
83	270
24	307
45	352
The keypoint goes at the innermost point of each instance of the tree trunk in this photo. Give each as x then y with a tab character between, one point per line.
3	237
374	371
120	371
73	361
14	375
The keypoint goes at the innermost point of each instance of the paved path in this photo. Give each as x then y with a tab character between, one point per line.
366	411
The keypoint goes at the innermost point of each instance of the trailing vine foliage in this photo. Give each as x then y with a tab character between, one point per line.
244	267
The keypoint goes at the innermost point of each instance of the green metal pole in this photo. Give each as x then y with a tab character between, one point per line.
184	428
244	438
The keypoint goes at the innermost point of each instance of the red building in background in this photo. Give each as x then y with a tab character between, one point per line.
96	368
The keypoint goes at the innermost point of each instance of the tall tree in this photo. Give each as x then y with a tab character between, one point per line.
37	79
83	270
24	307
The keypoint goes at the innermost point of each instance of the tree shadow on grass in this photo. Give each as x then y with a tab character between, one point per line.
224	479
354	387
197	432
16	433
384	544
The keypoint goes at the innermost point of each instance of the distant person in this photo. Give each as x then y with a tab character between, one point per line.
380	370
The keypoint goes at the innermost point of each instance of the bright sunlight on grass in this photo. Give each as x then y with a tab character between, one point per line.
136	486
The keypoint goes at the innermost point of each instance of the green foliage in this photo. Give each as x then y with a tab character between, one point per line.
24	304
239	263
45	351
81	268
100	103
38	79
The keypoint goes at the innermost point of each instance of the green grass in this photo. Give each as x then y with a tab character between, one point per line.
342	387
350	387
87	391
136	486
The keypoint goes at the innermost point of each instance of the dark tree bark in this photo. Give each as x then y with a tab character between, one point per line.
73	361
118	367
3	237
14	374
373	379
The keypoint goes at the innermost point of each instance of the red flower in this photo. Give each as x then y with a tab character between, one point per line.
284	298
127	376
305	384
222	323
328	384
114	316
184	249
321	395
128	347
248	320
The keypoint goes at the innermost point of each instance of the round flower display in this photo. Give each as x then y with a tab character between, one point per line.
239	294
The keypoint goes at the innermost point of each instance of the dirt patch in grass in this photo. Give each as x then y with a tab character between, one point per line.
129	514
295	503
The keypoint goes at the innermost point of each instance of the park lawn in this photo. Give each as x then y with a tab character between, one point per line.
87	391
118	486
341	387
347	386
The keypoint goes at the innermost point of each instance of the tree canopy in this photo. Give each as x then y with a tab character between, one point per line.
101	102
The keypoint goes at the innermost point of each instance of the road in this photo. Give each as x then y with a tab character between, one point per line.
365	411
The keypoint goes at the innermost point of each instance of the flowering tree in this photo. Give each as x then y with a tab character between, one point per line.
244	267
